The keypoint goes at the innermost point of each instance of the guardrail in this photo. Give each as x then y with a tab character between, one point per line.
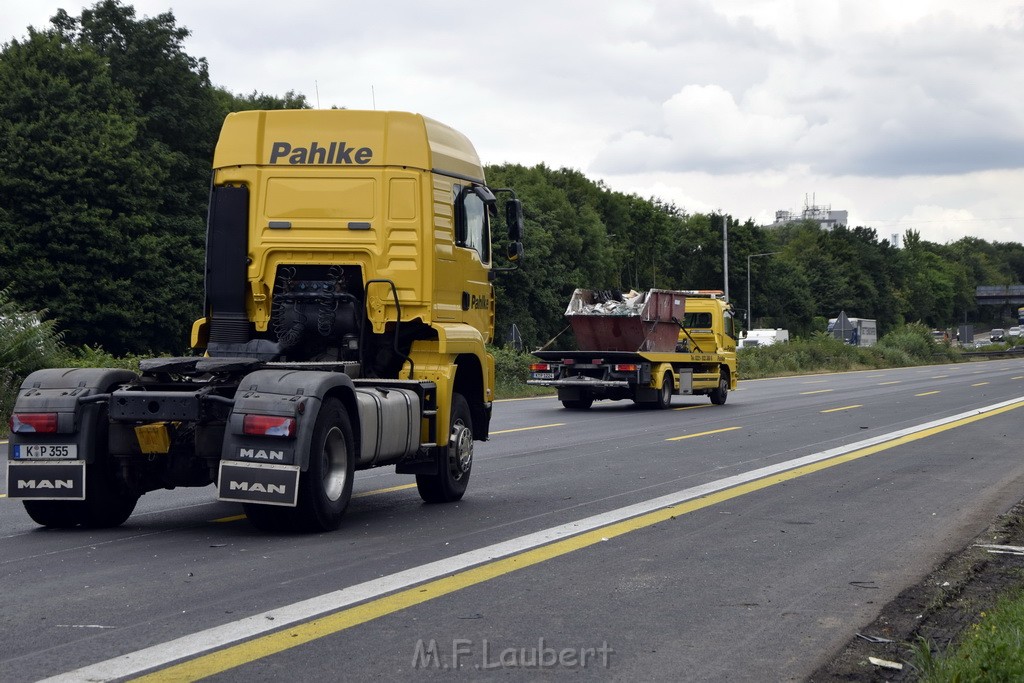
1001	353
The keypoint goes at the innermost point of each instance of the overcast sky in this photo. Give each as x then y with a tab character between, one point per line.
905	113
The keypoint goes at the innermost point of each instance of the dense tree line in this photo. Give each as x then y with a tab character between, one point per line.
108	126
582	234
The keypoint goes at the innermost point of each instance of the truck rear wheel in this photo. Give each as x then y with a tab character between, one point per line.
582	403
452	478
106	505
108	502
664	399
719	395
325	488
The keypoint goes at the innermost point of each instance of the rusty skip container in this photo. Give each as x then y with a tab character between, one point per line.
646	325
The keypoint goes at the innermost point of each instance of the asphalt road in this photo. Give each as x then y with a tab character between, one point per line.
741	542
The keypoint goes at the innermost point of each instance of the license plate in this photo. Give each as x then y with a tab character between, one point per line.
543	375
45	452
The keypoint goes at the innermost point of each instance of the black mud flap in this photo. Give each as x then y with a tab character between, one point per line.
46	481
244	482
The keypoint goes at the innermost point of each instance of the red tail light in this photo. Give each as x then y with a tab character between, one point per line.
626	367
34	423
268	425
540	367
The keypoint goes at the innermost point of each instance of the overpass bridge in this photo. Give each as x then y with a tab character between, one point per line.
1001	295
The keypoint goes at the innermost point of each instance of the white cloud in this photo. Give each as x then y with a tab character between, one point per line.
903	113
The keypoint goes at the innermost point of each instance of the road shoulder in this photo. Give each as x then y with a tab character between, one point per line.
939	608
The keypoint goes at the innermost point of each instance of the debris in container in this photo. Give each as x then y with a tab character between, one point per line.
610	302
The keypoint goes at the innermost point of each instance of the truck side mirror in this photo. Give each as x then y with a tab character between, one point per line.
514	219
515	251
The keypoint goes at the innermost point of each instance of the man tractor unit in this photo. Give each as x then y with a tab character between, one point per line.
348	301
645	346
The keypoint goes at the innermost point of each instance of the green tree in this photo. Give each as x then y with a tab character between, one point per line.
78	186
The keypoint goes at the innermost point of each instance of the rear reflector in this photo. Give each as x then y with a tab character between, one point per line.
540	367
34	423
268	425
626	367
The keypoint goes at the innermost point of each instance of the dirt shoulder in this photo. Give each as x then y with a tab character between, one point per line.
939	608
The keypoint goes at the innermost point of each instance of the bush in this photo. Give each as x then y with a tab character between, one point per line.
27	343
511	370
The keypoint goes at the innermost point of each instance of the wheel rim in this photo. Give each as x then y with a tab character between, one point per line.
335	461
460	450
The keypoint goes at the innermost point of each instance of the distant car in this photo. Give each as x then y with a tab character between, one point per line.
1013	331
998	334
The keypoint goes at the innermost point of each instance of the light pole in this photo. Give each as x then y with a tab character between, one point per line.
750	320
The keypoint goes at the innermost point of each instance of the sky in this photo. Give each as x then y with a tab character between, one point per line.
908	115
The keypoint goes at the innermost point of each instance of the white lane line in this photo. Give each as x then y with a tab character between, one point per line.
216	637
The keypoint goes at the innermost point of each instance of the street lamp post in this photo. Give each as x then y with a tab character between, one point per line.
750	320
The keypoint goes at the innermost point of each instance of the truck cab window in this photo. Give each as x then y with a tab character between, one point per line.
730	326
474	228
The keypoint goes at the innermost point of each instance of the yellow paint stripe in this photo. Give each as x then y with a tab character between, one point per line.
940	376
526	429
376	492
703	405
264	646
980	384
882	384
818	391
928	393
232	518
835	410
694	436
1018	377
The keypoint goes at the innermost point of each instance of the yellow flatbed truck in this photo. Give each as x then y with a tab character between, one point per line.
647	349
348	301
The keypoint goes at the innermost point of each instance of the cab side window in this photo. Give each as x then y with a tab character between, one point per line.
730	324
473	226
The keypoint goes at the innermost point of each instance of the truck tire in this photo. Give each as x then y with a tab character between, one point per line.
108	502
450	483
583	403
325	488
719	395
664	399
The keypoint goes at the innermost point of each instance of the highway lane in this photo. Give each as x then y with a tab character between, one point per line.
767	583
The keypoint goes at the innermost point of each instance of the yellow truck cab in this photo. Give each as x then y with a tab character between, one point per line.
348	302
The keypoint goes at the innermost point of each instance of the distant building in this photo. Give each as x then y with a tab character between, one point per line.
823	215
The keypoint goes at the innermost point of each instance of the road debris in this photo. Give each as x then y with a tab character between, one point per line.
874	639
885	663
1001	549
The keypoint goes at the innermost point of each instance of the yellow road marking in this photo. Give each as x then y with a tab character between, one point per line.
980	384
1018	377
703	405
693	436
834	410
817	381
940	376
375	492
928	393
882	384
817	391
526	429
232	518
264	646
